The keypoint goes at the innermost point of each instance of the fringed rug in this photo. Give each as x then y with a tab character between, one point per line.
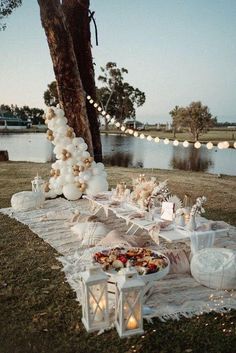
175	296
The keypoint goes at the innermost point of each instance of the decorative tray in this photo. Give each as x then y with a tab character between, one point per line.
150	264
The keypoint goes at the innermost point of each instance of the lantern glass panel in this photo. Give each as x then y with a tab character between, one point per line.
97	302
132	310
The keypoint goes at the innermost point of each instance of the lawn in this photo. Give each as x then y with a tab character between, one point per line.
38	309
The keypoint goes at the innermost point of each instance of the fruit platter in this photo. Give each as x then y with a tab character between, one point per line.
150	264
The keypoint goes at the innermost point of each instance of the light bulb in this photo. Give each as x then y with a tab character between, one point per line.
135	134
149	138
88	97
157	139
209	145
175	142
197	144
166	141
185	143
142	136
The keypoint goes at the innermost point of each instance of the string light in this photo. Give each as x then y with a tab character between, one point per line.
166	141
209	145
185	143
197	144
175	142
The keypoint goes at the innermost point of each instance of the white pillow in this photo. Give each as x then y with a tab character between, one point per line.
27	200
215	268
90	233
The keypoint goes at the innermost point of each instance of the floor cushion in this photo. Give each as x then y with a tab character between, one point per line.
27	200
90	233
215	268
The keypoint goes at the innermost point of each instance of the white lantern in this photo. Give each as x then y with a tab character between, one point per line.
95	309
38	184
129	297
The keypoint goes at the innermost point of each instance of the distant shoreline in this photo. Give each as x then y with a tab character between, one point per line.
213	135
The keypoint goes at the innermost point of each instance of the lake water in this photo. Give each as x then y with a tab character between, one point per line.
128	151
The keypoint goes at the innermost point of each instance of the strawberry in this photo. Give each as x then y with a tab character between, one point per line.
152	267
122	258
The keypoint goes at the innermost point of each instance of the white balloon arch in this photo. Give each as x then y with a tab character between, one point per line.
74	172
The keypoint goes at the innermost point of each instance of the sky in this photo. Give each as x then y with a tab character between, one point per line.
176	51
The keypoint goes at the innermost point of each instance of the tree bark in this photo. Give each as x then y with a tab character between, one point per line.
71	93
77	16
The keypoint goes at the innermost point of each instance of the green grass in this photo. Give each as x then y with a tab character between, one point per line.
38	309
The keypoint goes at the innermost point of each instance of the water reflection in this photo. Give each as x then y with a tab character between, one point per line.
127	151
191	159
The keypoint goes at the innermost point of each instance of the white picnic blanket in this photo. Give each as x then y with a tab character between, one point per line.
172	297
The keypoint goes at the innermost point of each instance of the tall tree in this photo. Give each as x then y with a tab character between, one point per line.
68	36
78	17
116	96
70	88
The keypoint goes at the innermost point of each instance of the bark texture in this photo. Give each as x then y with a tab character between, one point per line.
71	92
78	21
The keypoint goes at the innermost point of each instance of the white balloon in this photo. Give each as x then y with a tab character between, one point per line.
87	176
71	148
77	141
71	192
60	122
100	166
62	130
60	113
85	154
51	124
96	171
69	178
51	194
96	184
83	146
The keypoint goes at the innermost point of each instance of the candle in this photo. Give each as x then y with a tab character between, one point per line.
186	218
132	323
99	312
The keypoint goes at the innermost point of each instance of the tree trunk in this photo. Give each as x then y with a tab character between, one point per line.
77	16
71	93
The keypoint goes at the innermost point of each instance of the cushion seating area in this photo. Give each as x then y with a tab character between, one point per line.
215	268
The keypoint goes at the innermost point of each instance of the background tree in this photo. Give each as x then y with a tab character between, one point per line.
116	96
24	113
196	117
6	8
50	96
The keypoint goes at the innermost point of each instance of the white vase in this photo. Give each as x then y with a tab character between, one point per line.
191	226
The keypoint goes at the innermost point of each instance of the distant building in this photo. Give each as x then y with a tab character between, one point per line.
134	124
14	123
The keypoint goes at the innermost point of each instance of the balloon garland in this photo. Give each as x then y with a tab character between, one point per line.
75	172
